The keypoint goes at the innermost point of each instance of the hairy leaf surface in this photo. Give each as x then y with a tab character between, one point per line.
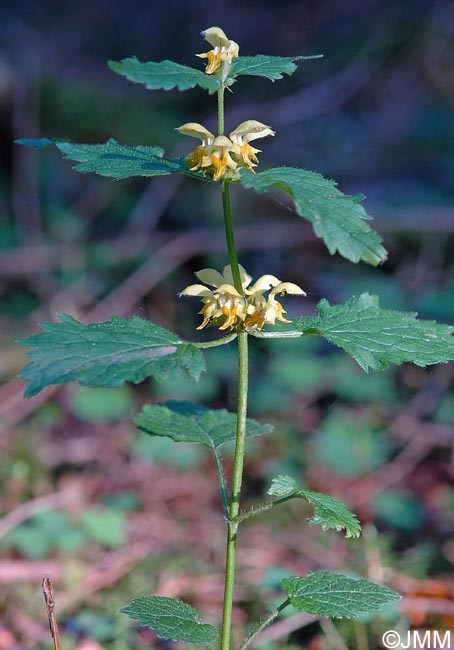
171	619
331	594
189	422
328	512
338	219
377	337
117	160
105	354
164	75
271	67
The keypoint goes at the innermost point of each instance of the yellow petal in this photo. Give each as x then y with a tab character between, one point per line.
195	130
233	50
222	141
280	311
228	289
264	283
216	37
211	277
250	130
288	287
245	277
195	290
231	318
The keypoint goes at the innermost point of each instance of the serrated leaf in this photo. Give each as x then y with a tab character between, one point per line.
338	219
377	337
329	513
164	75
331	594
105	354
271	67
283	487
116	160
171	619
188	422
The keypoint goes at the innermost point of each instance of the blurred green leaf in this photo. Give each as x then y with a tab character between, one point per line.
347	380
400	508
105	526
348	446
96	625
30	541
171	619
102	404
45	532
165	451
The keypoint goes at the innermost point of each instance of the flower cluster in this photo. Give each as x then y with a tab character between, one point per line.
216	154
250	309
224	50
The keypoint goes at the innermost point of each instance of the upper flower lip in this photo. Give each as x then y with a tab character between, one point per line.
224	49
216	37
250	130
196	130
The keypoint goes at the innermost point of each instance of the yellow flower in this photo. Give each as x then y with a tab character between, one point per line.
245	133
223	300
213	155
216	154
220	156
251	310
201	156
223	49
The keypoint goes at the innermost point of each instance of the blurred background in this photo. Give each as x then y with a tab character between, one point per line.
110	514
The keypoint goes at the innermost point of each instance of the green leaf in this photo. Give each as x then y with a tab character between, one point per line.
338	219
328	512
376	337
164	75
271	67
171	619
189	422
117	160
105	354
105	526
331	594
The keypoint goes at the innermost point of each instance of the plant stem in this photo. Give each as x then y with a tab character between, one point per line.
203	345
221	110
237	477
238	460
262	625
233	258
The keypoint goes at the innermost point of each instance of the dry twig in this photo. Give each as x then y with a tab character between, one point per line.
50	606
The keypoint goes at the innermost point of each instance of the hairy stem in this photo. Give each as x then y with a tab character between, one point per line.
221	110
269	618
233	258
203	345
237	477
